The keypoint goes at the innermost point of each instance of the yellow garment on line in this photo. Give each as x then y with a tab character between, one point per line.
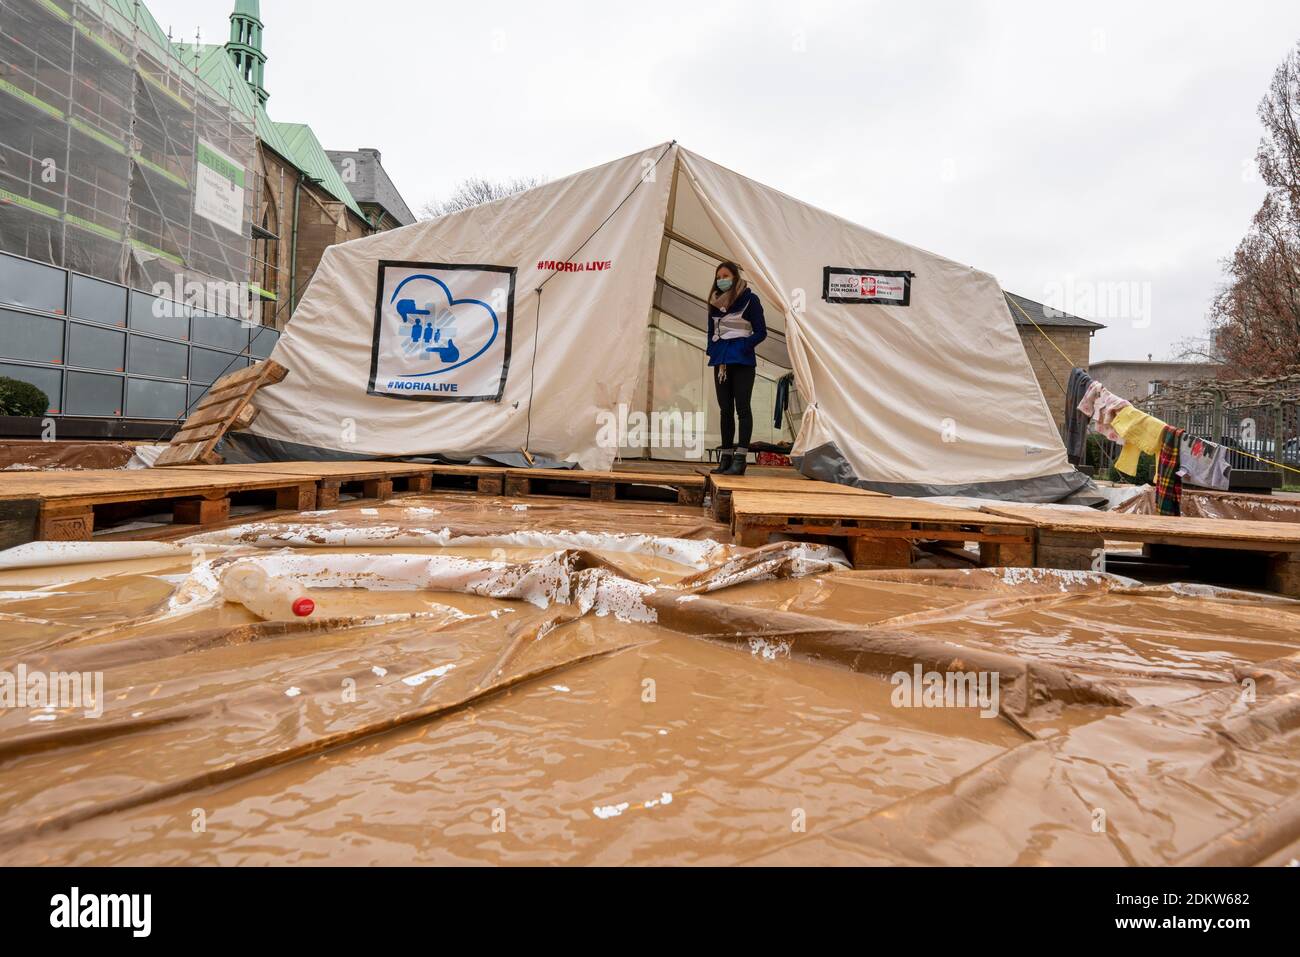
1141	433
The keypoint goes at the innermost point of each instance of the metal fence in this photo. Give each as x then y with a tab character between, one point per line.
1261	433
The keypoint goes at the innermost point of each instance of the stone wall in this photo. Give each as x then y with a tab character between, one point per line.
1051	368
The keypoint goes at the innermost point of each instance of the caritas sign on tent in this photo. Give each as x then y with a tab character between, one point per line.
884	287
442	332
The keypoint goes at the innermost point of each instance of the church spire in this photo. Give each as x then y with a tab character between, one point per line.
245	46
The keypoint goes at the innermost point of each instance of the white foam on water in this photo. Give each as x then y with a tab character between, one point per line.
416	680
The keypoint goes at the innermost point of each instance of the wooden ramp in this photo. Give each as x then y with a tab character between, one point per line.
684	489
878	530
722	487
224	408
65	502
1074	538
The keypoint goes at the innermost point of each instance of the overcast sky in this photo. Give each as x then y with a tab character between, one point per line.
1098	155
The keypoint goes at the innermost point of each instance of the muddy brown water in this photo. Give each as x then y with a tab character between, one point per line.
720	706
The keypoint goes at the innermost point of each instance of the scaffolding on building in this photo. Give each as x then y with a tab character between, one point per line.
109	140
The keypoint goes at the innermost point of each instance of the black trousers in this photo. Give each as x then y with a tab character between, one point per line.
735	390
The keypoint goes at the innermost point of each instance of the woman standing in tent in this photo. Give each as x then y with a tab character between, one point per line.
736	327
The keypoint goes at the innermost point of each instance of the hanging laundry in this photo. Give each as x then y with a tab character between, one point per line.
1205	463
783	387
1076	422
1141	433
1088	404
1110	405
1102	406
1169	481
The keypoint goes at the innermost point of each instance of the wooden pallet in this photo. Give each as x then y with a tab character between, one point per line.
224	408
1073	538
650	467
684	489
720	489
878	530
66	501
480	479
370	479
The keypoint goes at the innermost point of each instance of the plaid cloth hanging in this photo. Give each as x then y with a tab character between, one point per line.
1169	485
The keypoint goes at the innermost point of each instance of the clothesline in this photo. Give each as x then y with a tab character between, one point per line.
1178	454
1113	404
1040	329
1228	386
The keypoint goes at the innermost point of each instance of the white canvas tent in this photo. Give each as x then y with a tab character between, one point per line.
534	321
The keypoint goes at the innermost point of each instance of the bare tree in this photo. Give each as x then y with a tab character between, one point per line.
476	191
1255	318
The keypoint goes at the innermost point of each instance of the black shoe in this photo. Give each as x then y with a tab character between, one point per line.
724	463
739	461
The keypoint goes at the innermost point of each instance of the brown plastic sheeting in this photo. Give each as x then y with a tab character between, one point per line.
729	710
19	456
1256	508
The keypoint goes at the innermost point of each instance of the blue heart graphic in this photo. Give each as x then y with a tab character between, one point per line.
496	322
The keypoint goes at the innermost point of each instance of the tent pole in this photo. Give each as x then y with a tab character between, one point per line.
651	323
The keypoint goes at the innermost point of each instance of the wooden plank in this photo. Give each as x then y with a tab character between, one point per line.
601	486
18	521
767	483
377	488
216	411
200	511
327	494
191	453
198	435
910	532
1073	552
774	471
659	468
125	485
878	530
264	373
860	508
220	392
65	523
346	471
1283	575
297	498
722	487
224	407
1157	529
469	469
868	553
674	480
1008	554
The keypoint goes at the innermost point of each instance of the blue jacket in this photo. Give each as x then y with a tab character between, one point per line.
738	352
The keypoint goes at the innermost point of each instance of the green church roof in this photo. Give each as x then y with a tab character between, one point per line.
310	157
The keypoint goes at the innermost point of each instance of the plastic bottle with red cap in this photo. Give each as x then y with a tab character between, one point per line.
269	597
